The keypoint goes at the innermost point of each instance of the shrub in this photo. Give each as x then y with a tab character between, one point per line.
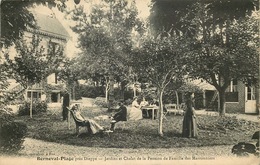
88	91
12	136
101	102
11	133
37	107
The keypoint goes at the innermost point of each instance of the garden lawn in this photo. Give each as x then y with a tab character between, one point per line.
143	133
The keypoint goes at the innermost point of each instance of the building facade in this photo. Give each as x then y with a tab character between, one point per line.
241	98
51	33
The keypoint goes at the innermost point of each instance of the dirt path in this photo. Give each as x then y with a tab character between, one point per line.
37	151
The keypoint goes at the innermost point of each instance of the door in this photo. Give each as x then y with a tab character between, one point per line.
250	96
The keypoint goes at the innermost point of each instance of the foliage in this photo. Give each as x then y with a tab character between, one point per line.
13	25
37	107
3	84
67	71
224	123
32	62
12	135
154	65
224	55
135	134
174	15
105	38
6	116
101	102
89	91
222	46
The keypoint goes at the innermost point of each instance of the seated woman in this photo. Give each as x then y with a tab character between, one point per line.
92	126
135	112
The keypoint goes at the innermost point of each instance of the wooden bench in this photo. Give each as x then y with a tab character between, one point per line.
172	108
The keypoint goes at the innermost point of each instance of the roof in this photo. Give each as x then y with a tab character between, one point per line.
49	25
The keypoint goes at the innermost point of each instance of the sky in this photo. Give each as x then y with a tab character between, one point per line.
142	6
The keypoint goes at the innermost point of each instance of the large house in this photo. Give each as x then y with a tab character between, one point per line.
51	31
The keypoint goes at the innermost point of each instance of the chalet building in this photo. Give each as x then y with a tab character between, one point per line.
52	33
241	98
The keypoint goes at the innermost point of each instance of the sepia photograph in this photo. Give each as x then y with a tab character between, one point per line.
129	82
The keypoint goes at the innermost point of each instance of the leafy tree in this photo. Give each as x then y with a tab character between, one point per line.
32	62
105	39
13	25
222	46
159	61
3	84
223	51
68	72
171	15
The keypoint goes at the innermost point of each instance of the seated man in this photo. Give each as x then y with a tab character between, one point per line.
92	126
121	115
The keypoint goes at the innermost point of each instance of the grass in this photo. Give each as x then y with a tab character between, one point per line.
143	133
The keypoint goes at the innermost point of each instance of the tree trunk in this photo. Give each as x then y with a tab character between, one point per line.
160	129
122	93
177	99
31	102
107	88
222	102
111	93
134	89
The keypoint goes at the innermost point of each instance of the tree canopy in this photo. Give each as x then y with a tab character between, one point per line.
16	17
223	45
105	38
158	59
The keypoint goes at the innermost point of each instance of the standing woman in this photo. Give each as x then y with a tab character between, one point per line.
189	122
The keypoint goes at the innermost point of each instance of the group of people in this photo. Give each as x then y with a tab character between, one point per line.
138	111
189	129
92	126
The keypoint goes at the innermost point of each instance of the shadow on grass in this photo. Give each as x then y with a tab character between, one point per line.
140	134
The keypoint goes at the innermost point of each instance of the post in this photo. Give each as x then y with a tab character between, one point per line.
204	98
258	88
31	103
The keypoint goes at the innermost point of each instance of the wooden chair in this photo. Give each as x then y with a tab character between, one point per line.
79	123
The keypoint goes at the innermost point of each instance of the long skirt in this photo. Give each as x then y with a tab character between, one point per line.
189	126
135	114
95	127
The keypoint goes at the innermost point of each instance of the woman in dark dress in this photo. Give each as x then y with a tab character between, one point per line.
189	122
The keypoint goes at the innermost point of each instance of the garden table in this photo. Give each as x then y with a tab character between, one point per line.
152	108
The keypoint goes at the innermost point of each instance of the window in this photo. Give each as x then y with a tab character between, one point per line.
251	93
35	95
232	93
233	86
53	47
